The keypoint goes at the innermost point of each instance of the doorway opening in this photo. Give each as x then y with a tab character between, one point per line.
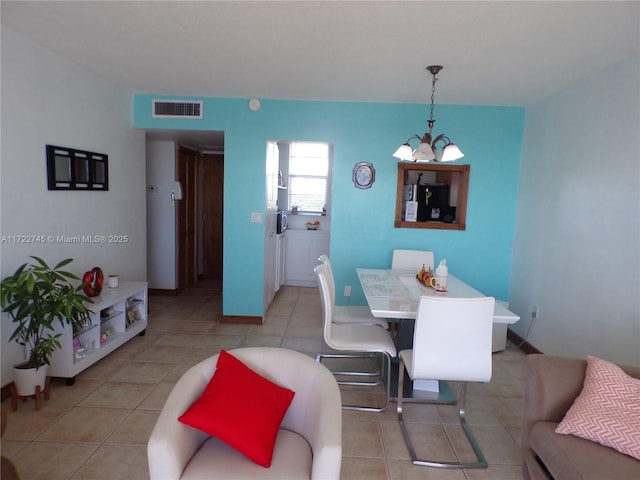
185	194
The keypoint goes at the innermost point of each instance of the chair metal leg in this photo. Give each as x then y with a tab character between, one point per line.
352	373
481	463
382	373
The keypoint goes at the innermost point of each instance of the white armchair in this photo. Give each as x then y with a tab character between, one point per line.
309	443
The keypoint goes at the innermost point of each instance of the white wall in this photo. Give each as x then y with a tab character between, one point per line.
161	216
577	242
48	100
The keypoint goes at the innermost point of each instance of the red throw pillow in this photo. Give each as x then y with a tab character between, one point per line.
241	408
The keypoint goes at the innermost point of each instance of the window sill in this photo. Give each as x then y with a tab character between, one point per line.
433	225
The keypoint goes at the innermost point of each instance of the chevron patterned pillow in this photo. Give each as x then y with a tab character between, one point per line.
607	411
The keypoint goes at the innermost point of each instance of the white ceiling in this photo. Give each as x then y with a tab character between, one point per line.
494	52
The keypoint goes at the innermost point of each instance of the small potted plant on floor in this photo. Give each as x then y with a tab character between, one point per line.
35	296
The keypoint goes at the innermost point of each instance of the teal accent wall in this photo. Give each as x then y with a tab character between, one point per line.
362	231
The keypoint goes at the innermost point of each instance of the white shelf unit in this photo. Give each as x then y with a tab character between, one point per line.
118	315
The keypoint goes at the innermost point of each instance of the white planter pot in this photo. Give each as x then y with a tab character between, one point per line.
27	379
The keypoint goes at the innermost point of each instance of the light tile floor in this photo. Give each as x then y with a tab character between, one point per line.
98	428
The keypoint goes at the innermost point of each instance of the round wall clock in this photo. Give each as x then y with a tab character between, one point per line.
363	175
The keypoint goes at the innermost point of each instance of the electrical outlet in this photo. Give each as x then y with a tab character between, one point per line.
347	290
535	312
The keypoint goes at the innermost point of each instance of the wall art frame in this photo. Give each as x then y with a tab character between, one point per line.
73	169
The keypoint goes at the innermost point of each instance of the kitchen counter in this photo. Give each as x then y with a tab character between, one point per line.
308	230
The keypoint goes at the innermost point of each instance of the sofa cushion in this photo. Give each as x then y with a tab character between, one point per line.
607	410
570	457
241	408
292	458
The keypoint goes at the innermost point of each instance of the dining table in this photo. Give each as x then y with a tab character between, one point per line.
394	295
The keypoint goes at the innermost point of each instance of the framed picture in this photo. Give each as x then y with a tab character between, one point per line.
71	169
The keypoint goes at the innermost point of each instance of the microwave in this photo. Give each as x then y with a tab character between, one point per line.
281	222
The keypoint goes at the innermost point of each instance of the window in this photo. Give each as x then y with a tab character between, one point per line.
308	177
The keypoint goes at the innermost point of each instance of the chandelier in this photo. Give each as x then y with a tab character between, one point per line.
428	147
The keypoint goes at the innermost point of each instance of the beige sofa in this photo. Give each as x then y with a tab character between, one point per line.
551	384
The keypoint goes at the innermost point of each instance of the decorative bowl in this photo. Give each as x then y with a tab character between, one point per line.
313	225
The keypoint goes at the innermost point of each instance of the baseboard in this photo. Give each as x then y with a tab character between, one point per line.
241	319
163	292
522	344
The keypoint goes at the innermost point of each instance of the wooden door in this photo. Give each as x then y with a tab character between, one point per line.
212	214
187	221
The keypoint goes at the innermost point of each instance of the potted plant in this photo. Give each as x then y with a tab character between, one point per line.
35	296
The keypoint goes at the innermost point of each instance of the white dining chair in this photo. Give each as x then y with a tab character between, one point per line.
354	339
451	341
351	314
412	260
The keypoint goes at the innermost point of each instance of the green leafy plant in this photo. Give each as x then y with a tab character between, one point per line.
35	296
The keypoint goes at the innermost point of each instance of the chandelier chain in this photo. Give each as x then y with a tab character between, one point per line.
433	97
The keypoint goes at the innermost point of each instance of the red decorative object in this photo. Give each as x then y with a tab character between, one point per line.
93	281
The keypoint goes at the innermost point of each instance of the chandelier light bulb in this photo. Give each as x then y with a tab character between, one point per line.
404	152
451	153
424	152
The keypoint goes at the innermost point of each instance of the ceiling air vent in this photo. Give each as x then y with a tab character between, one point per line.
176	109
